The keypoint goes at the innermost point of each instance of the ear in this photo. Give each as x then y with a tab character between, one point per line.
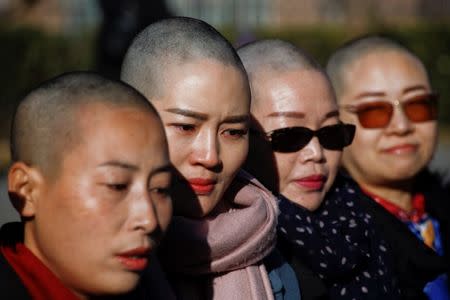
24	184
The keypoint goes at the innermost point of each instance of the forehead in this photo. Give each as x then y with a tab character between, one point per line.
305	91
110	127
384	71
205	85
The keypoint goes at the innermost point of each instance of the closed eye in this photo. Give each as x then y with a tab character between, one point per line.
161	192
236	133
186	128
117	186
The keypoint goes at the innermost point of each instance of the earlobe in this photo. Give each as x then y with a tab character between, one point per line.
23	183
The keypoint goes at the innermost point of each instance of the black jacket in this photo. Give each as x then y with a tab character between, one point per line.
415	263
11	287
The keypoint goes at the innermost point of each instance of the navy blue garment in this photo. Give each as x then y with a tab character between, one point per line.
282	277
339	242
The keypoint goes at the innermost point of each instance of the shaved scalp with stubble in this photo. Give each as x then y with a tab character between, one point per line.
274	56
171	42
349	53
45	124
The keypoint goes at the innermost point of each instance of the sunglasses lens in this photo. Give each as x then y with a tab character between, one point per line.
290	139
336	137
375	114
422	108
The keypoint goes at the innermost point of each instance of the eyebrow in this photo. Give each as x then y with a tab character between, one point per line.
119	164
188	113
163	169
370	94
204	117
414	88
331	114
237	119
382	94
288	114
127	166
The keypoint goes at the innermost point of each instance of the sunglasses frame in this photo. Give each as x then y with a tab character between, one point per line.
357	108
348	131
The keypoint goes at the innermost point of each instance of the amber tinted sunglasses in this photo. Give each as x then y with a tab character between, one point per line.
378	114
292	139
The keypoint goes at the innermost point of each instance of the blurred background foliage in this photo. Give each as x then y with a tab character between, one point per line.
29	56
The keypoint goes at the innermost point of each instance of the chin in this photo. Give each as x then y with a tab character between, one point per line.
308	202
121	284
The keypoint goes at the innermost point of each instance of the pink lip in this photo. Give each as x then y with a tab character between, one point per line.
202	186
313	182
135	259
401	149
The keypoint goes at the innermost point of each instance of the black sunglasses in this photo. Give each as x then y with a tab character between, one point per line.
292	139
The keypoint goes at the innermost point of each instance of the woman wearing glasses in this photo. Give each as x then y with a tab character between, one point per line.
384	89
296	147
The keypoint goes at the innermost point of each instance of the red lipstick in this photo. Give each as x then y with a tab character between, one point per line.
313	182
135	259
202	186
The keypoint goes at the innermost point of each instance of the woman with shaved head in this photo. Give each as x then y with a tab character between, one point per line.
296	147
384	89
224	220
91	180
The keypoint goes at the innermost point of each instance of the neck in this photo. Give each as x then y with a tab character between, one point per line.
399	194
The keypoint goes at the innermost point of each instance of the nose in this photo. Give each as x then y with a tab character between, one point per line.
313	151
143	216
399	124
206	150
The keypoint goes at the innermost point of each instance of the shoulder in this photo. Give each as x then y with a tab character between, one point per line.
10	284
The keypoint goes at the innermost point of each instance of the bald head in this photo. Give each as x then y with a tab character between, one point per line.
45	124
348	54
274	56
168	43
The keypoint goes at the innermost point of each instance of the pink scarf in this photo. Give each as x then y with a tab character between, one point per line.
220	257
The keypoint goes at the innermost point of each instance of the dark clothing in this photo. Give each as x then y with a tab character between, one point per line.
11	287
338	242
416	264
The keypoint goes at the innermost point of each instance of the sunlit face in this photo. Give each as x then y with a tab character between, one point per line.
399	151
299	98
96	223
205	110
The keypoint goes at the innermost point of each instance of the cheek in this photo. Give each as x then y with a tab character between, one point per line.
233	157
178	148
428	136
365	141
333	160
286	165
164	212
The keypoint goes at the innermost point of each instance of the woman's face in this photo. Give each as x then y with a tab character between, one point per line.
299	98
205	111
95	224
398	151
